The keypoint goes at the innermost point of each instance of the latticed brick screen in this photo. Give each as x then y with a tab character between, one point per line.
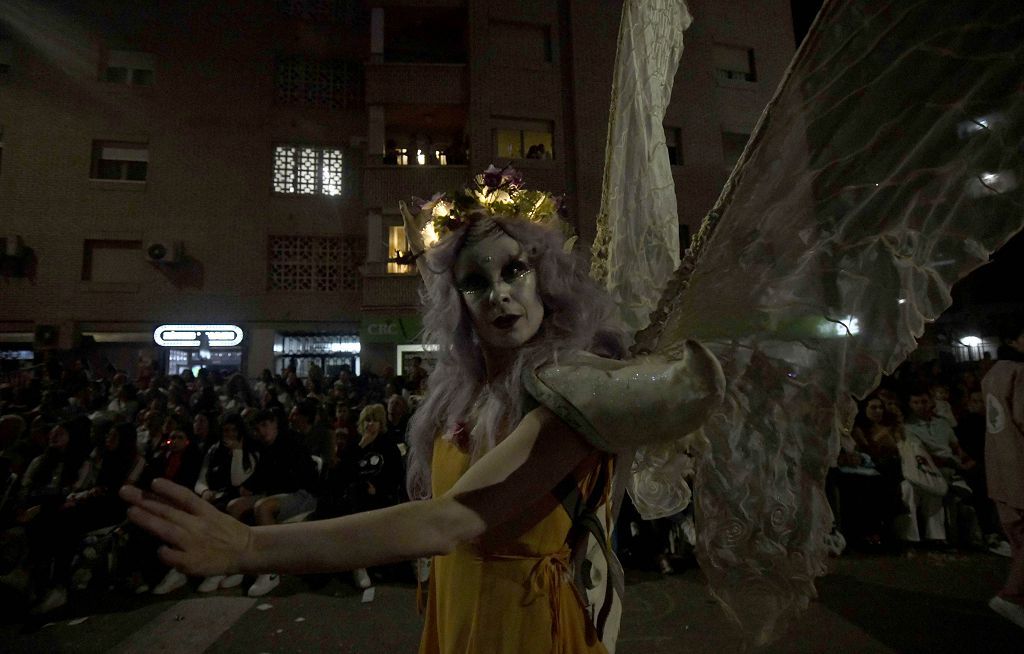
333	11
321	84
315	263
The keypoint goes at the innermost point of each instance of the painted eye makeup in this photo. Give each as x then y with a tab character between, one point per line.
472	283
515	269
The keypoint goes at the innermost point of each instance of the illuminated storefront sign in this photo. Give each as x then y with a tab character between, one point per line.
389	330
192	335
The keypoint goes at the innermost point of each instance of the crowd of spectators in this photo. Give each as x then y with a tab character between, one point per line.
911	471
287	449
278	450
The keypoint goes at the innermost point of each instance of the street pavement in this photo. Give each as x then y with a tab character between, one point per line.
924	602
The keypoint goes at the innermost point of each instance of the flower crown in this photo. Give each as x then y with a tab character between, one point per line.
495	192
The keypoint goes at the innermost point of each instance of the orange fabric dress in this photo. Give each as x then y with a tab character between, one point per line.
512	598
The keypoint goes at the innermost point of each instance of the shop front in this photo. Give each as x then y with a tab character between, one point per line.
329	352
218	348
393	342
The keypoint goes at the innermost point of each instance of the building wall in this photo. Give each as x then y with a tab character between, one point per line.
211	122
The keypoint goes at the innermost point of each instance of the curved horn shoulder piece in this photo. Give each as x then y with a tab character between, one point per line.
622	405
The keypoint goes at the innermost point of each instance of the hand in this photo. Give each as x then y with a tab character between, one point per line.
200	539
208	495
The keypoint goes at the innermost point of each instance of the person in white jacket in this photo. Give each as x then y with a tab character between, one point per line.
1003	389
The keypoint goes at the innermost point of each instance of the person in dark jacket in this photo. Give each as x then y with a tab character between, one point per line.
280	489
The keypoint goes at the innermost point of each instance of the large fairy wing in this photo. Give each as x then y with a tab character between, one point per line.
886	168
637	244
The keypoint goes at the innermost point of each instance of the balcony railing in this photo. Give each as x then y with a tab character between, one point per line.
405	83
390	291
384	186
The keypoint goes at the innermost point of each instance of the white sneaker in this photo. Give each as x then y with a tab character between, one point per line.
1010	610
362	578
172	581
56	598
231	581
210	584
263	585
1002	548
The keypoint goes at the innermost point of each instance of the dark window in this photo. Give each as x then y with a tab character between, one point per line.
674	143
128	67
120	160
732	147
734	63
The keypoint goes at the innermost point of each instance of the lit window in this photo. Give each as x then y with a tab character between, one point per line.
734	63
397	246
126	67
529	140
300	170
120	160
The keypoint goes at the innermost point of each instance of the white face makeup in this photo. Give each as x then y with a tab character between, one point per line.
499	288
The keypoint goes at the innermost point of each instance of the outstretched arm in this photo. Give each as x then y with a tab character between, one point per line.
538	454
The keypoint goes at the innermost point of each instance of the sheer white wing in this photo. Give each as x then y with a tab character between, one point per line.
637	244
886	168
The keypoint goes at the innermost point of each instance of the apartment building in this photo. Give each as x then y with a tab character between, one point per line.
217	183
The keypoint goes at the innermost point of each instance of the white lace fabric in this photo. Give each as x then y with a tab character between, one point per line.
637	243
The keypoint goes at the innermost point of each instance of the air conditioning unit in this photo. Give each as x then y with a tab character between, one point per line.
163	251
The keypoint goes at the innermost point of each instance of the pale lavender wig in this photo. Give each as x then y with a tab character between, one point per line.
578	315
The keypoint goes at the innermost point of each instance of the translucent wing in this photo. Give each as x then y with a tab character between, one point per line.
637	244
886	168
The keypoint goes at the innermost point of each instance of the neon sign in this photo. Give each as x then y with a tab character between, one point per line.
191	335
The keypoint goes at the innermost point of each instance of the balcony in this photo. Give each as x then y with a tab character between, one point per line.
422	83
384	291
384	186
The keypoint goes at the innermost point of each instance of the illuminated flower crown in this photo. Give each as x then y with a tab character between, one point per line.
495	192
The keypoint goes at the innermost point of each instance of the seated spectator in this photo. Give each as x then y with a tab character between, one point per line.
417	376
125	402
338	484
869	476
280	488
939	439
314	435
151	433
939	394
51	475
398	420
379	471
92	504
203	433
936	433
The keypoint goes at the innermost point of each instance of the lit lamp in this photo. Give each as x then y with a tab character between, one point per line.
970	341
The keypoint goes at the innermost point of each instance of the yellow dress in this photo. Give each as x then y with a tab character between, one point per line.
512	598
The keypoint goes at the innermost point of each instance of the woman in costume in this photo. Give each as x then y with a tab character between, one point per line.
857	203
502	474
